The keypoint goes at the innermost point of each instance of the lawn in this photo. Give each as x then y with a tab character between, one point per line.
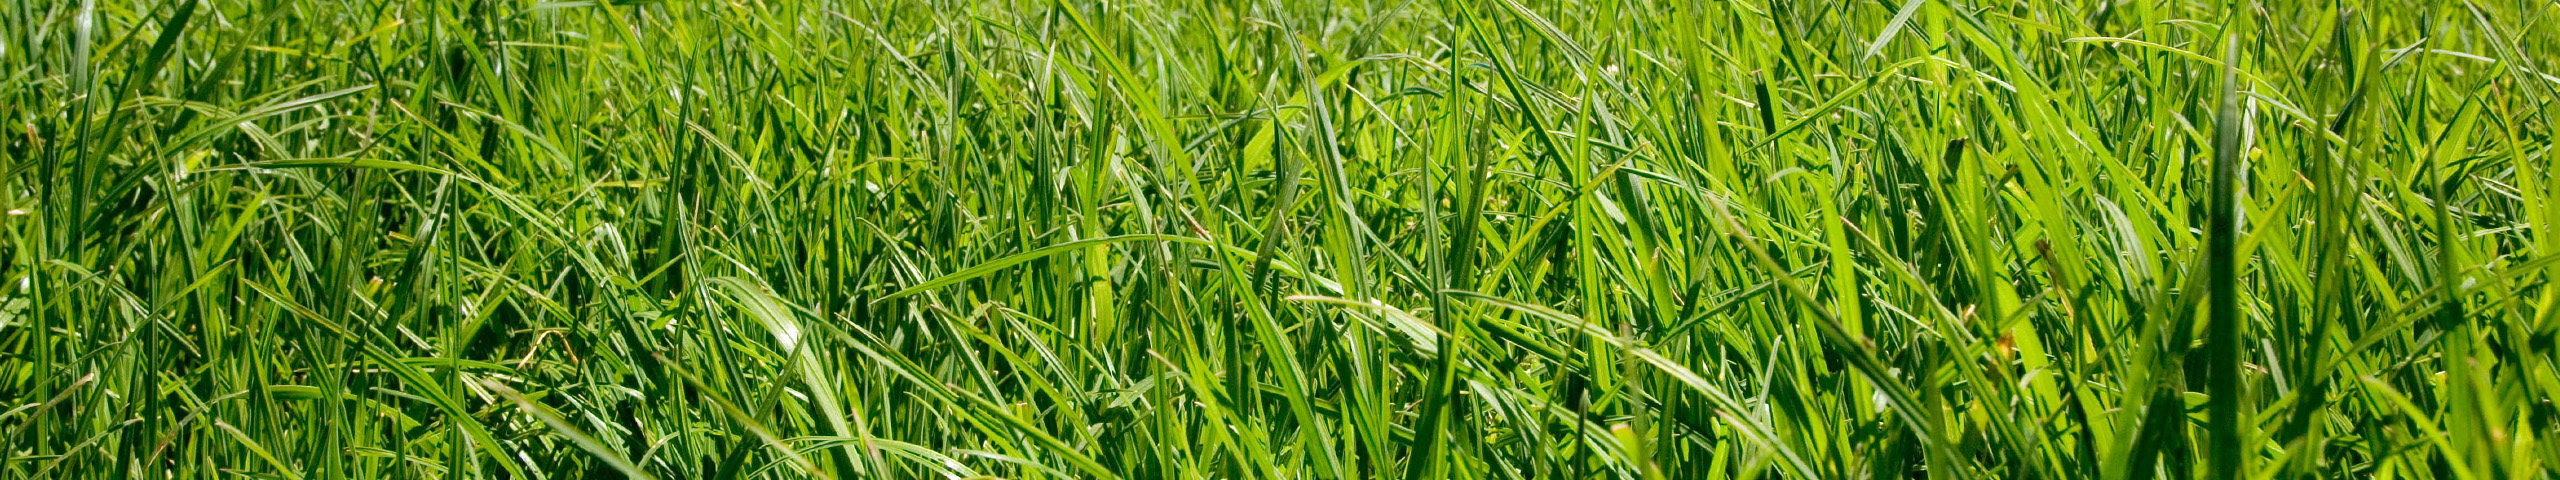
1279	239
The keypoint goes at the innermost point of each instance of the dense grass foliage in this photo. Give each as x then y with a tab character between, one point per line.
1338	239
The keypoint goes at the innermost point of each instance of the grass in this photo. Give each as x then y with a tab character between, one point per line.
1496	239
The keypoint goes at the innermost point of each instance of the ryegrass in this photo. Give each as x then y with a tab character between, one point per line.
324	239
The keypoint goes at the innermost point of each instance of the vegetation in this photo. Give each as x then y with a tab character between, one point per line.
1345	239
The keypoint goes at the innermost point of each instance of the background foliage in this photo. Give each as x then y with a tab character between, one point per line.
1334	239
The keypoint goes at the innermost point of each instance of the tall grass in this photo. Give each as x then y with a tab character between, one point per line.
1498	239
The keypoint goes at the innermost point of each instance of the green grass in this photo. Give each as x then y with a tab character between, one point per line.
1480	239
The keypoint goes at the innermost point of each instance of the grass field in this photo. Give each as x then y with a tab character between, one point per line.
1279	239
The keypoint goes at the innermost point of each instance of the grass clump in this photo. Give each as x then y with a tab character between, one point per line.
319	239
